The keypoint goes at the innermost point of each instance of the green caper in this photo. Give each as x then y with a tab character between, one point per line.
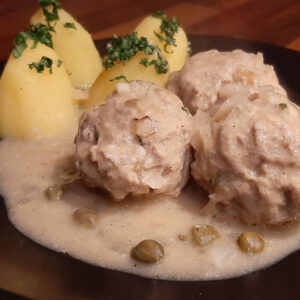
54	192
148	251
204	234
251	242
86	217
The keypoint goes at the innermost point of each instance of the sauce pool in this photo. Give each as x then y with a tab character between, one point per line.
28	168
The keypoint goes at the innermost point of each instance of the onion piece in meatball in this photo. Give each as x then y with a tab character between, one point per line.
136	143
248	157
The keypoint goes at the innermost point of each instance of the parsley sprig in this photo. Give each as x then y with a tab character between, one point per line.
168	29
39	33
119	78
50	9
122	49
45	62
70	25
282	106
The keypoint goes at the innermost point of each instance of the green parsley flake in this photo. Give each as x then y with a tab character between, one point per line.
122	49
282	106
70	25
59	63
119	77
160	15
45	62
185	109
39	33
50	9
168	29
216	179
141	142
189	48
20	44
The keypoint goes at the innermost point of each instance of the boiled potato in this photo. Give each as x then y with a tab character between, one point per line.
75	47
35	104
132	70
176	56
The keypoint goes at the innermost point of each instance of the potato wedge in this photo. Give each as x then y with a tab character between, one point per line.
75	47
35	104
176	56
132	70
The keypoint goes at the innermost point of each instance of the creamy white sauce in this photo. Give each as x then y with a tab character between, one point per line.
28	168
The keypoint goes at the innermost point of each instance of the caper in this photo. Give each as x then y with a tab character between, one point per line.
86	217
251	242
54	192
204	234
148	251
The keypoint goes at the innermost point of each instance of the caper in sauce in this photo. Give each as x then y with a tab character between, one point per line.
86	217
148	251
251	242
204	234
56	191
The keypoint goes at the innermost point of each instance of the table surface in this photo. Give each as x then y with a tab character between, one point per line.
272	21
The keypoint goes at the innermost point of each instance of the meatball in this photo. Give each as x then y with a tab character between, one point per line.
247	155
197	84
136	143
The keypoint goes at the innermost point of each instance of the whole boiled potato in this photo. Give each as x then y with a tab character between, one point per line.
35	104
75	47
176	56
132	70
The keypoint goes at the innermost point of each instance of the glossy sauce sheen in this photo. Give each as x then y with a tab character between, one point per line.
28	168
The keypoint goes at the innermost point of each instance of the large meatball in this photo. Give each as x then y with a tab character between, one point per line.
248	156
136	143
199	81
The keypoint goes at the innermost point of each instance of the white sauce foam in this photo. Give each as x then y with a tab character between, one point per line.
28	168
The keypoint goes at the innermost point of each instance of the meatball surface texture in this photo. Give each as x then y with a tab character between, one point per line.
198	83
247	156
136	143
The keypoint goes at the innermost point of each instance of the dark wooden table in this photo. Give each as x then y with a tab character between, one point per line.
271	21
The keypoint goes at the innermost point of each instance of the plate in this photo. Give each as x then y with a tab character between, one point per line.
30	270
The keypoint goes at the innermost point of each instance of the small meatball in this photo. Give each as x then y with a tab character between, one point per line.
197	84
136	143
248	157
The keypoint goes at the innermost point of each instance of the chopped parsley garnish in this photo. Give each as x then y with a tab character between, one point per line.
168	29
119	77
160	64
282	106
185	109
50	9
216	179
45	62
160	15
189	48
70	25
39	33
20	44
141	142
59	63
122	49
